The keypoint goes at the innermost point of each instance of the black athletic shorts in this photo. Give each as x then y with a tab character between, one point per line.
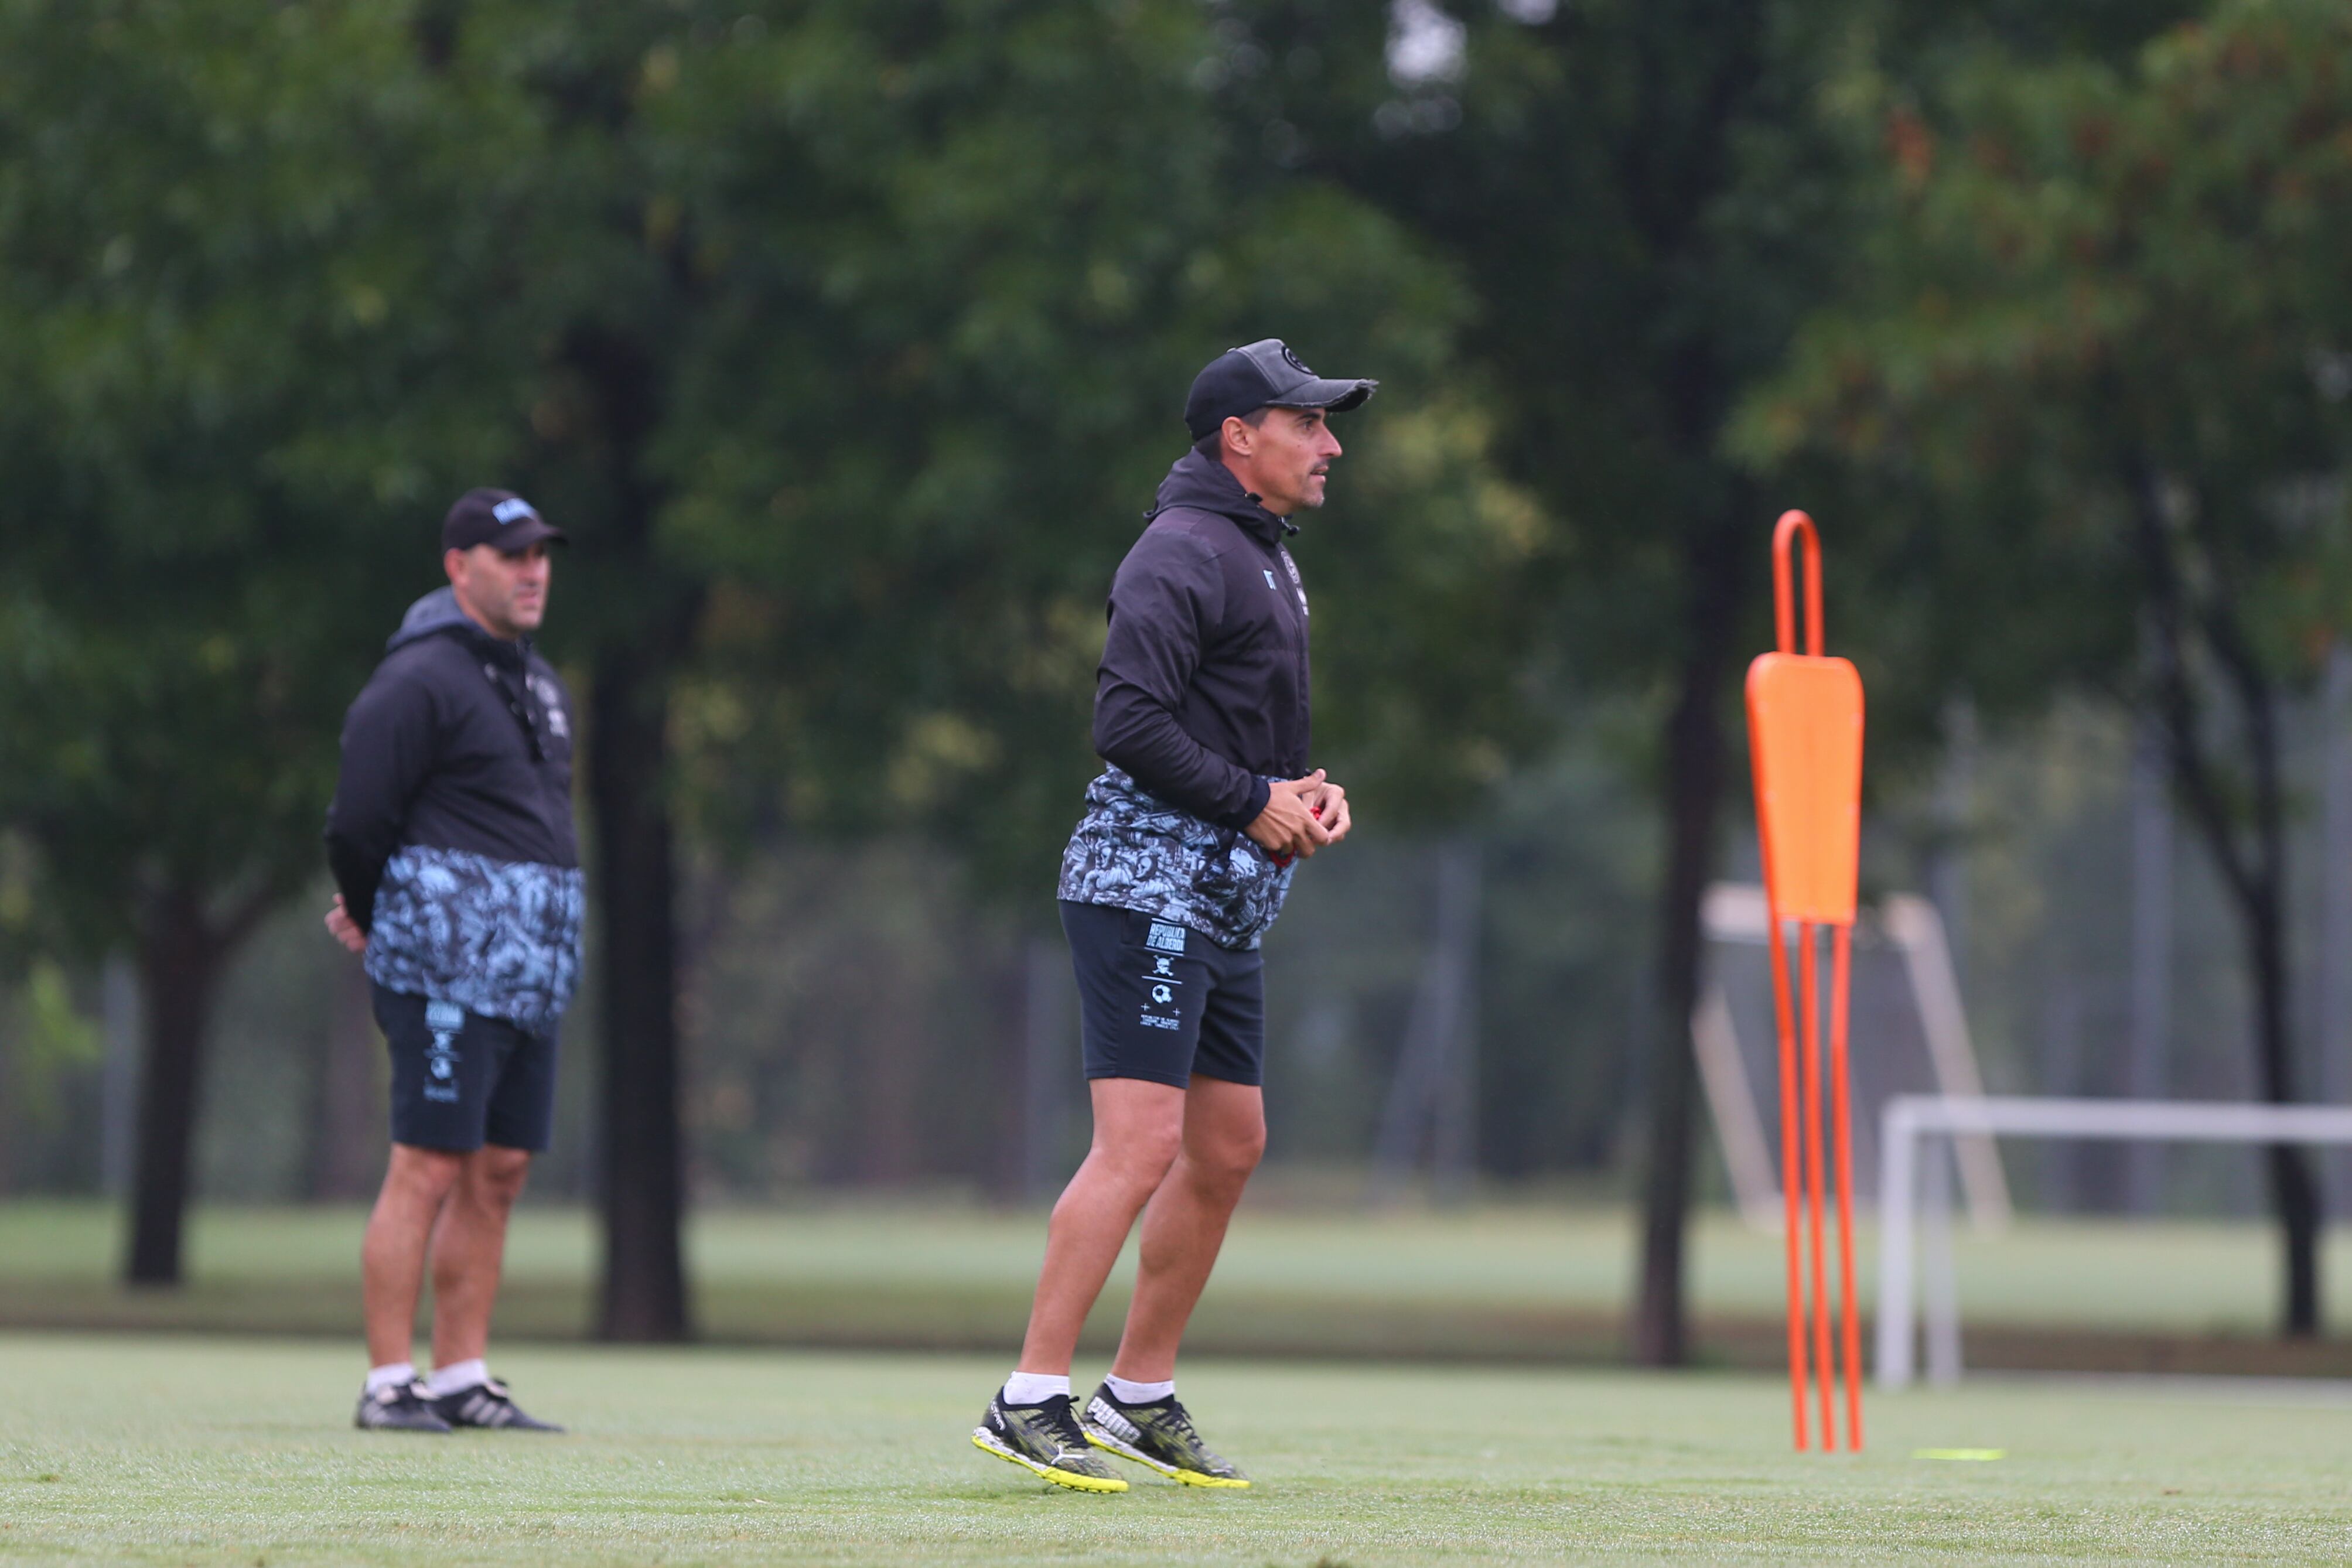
1159	1001
460	1079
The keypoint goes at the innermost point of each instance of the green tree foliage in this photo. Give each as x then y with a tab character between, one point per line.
231	374
953	321
2099	382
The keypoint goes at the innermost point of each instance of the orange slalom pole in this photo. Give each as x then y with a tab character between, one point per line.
1787	1033
1810	1016
1805	725
1841	953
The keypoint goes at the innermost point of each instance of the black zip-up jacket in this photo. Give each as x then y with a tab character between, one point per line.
460	741
1202	695
450	835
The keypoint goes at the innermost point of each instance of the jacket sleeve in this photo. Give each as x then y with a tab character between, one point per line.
388	747
1168	597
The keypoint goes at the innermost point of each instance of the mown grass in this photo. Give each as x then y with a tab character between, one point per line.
160	1449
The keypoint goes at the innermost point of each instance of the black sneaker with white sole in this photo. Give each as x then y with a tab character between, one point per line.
399	1407
1159	1434
1046	1440
486	1404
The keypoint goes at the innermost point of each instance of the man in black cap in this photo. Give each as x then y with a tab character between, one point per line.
1179	866
451	840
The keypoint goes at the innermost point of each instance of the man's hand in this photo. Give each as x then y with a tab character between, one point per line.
1287	827
1329	804
344	929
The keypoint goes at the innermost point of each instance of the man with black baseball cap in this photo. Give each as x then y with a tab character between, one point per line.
1179	866
451	840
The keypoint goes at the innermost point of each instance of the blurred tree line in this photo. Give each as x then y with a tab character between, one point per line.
845	337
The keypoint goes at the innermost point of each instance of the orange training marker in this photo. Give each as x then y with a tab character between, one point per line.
1804	731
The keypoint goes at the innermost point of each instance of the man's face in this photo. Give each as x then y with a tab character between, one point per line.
1286	457
505	591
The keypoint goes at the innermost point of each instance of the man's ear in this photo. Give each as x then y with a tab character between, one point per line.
1237	436
449	563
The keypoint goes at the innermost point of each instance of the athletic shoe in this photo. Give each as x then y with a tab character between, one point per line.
1159	1434
485	1405
399	1407
1045	1438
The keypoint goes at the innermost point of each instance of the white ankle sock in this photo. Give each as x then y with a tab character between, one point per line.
1033	1388
1127	1393
391	1374
464	1375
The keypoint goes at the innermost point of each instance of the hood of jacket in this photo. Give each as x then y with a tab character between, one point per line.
436	612
1205	484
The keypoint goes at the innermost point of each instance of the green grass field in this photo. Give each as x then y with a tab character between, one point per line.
165	1449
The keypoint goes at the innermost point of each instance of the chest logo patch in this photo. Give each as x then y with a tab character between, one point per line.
551	700
1269	579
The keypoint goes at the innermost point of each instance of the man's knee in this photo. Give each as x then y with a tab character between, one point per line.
1140	1155
1224	1152
422	1175
495	1175
1227	1161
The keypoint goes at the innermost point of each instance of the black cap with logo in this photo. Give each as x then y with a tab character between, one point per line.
499	519
1243	381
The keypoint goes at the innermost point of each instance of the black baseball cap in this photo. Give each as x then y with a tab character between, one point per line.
1243	381
499	519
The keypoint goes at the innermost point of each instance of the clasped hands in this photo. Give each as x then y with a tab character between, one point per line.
1301	816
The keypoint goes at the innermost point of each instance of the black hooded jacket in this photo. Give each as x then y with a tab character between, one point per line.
1202	695
460	741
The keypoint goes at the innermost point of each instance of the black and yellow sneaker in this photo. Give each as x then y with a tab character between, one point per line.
1159	1434
1045	1438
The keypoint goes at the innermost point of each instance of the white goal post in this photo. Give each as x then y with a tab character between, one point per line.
1910	1120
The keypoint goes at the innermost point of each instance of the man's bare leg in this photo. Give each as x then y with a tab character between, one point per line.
1138	1130
417	1183
470	1250
1184	1228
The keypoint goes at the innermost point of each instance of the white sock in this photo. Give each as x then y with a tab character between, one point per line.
464	1375
1033	1388
1127	1393
391	1374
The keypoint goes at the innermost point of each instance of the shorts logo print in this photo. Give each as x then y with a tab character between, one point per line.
1167	938
445	1019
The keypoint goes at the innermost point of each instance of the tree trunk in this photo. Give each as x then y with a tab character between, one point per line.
2255	873
180	962
643	1175
1716	561
2294	1191
635	893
